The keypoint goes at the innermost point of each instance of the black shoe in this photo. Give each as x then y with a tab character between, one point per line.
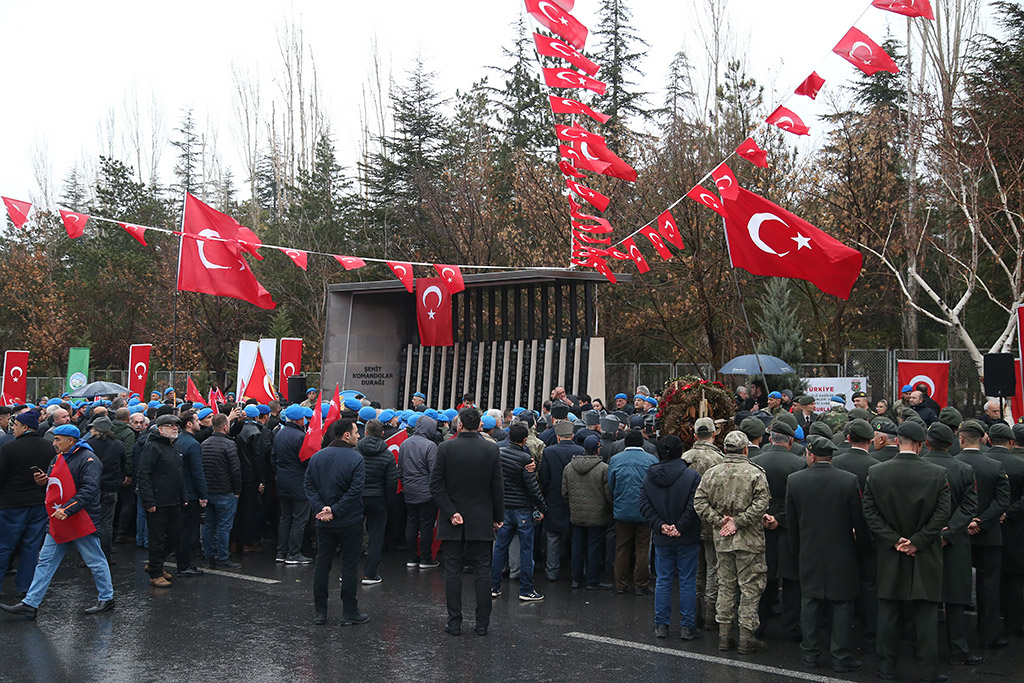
690	633
577	584
808	663
884	675
228	564
940	678
320	619
481	630
354	619
997	644
100	606
661	630
969	660
600	587
453	630
191	571
852	665
21	609
644	591
620	591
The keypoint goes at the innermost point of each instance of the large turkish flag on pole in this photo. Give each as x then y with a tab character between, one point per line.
138	368
765	239
15	380
933	373
259	386
210	257
434	312
290	364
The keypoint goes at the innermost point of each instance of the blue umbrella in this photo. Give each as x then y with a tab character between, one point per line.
750	365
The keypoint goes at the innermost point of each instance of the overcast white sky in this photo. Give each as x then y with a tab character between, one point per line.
69	64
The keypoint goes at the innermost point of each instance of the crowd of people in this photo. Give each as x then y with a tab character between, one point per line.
857	523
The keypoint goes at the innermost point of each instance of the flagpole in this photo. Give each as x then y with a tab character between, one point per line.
177	282
743	307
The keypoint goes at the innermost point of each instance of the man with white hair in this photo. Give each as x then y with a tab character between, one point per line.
993	414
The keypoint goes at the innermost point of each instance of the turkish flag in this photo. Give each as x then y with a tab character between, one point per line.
403	271
725	181
669	230
211	261
452	276
138	367
552	47
582	159
567	168
136	231
564	105
350	262
811	85
749	150
575	134
708	199
290	363
249	241
932	373
634	253
434	312
217	397
334	412
60	490
394	443
1017	403
314	433
17	210
788	121
592	197
192	391
567	78
567	5
74	223
259	386
558	21
656	239
601	266
15	377
297	256
865	54
908	8
794	248
616	167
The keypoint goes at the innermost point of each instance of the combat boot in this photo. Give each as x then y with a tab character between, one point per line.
709	617
725	639
749	644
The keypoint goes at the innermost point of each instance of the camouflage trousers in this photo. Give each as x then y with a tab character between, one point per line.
741	575
707	572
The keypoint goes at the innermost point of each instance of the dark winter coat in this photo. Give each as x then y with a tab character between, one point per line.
335	478
666	497
778	464
552	465
586	492
963	500
161	483
111	455
993	495
381	472
250	457
192	466
857	461
291	472
17	487
126	435
522	490
416	458
1013	527
467	479
220	465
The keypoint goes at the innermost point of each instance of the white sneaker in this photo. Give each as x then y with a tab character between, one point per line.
371	580
412	565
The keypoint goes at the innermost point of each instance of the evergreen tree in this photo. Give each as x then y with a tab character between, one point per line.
621	53
780	327
190	156
75	193
523	109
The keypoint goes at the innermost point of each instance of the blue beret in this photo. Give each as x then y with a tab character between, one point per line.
488	422
414	418
430	412
204	413
231	394
443	417
307	413
650	399
134	394
153	404
451	414
67	394
517	411
799	434
53	402
198	403
294	412
324	409
252	411
155	391
775	394
640	396
367	413
138	408
168	390
419	394
311	390
622	396
838	399
133	402
264	410
387	416
906	388
67	430
353	404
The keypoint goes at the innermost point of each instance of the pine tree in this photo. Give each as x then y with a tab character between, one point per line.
190	155
780	328
523	108
620	55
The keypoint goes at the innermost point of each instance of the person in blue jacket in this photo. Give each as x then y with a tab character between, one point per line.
626	473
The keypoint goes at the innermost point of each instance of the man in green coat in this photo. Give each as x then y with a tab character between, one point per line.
956	542
906	506
826	526
1011	582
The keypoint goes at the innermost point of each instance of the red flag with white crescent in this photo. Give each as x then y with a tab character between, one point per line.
749	150
290	362
592	197
394	443
60	493
552	47
434	312
298	256
725	181
787	120
403	271
259	386
634	253
811	85
452	276
565	105
933	374
659	244
15	377
570	78
588	151
136	231
567	168
908	8
314	433
865	54
669	230
249	242
708	199
350	262
74	223
192	391
557	20
580	158
334	412
138	367
17	210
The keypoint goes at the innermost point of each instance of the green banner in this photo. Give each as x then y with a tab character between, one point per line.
78	369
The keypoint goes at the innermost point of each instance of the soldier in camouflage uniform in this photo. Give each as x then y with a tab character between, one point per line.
731	499
836	417
534	444
703	456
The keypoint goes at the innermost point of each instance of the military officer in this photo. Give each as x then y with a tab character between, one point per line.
985	530
825	528
805	412
860	400
956	542
796	448
755	431
778	463
952	418
1000	436
731	499
775	403
835	418
906	506
884	440
703	456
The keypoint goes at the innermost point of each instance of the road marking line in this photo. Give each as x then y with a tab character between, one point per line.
705	658
236	575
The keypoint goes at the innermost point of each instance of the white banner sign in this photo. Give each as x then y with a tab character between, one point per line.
824	388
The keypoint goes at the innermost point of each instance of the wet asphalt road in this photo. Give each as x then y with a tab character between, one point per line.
229	628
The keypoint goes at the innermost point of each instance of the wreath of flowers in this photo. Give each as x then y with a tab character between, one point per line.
680	406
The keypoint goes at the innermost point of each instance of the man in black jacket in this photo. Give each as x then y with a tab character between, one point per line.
291	494
162	491
249	520
522	497
196	499
23	517
223	484
556	521
1012	579
825	526
466	484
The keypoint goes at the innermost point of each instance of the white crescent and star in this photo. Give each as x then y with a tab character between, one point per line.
200	244
927	380
560	18
293	253
723	182
50	482
570	77
432	289
21	373
285	369
656	239
754	226
141	373
634	253
445	271
401	268
861	44
785	122
585	149
710	200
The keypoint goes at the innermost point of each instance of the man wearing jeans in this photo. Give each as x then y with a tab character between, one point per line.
522	496
334	482
85	470
223	485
